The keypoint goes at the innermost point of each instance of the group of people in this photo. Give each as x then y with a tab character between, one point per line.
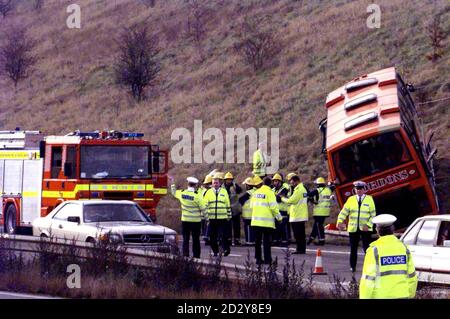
268	206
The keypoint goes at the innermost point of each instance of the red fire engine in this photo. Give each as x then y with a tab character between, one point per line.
38	173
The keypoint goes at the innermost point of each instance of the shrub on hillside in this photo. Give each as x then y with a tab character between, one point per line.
137	65
16	54
6	6
437	36
257	42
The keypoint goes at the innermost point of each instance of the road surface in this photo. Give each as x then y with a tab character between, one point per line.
335	259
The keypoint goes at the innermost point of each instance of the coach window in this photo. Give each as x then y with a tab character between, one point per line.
56	161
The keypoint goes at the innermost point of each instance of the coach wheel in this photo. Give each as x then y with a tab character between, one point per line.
10	220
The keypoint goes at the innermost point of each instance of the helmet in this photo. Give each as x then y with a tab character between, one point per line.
218	175
208	179
228	176
257	180
277	177
248	181
290	175
320	180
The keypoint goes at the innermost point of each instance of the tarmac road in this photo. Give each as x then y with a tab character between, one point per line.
335	259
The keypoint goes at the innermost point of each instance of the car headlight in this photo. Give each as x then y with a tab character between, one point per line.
171	239
112	238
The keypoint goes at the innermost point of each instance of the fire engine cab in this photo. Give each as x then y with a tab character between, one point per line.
38	173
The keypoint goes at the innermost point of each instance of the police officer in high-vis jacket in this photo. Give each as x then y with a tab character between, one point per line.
360	210
298	211
191	215
280	188
321	198
388	271
244	200
218	212
264	212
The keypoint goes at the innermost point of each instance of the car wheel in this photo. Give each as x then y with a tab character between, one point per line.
44	235
10	220
90	240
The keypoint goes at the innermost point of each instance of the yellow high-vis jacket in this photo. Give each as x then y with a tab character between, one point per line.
259	163
264	208
388	271
358	218
298	204
217	204
191	204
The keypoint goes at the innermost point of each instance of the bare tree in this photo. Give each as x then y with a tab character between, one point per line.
16	54
196	25
137	66
149	3
38	4
257	42
6	6
437	36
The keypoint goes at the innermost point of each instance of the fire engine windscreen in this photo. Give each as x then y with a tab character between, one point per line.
370	156
113	213
114	161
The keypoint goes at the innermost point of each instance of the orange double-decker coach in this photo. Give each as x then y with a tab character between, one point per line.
38	173
373	133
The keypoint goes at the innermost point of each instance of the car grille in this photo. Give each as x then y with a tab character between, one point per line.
143	239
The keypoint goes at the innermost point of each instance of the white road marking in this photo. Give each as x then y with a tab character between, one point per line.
323	251
19	295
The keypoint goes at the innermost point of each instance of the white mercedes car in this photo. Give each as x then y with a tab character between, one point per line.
122	222
428	239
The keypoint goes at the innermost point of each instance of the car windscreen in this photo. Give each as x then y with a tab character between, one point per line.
370	156
113	213
114	161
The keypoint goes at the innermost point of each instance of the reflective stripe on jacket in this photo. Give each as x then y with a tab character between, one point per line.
217	205
323	206
388	271
246	208
191	205
358	217
264	208
259	163
298	204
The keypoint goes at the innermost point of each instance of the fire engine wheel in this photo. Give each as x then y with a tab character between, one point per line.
10	220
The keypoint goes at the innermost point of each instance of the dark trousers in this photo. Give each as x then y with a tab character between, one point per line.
218	233
318	230
189	228
204	228
236	226
249	233
298	228
282	232
263	235
355	237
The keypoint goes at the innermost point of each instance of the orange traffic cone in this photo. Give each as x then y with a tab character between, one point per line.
318	269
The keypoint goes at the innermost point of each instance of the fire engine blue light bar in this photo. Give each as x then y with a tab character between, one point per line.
126	134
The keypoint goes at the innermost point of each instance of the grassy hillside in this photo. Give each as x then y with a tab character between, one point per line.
324	45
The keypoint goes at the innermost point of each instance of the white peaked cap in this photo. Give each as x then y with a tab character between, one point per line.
192	180
384	220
